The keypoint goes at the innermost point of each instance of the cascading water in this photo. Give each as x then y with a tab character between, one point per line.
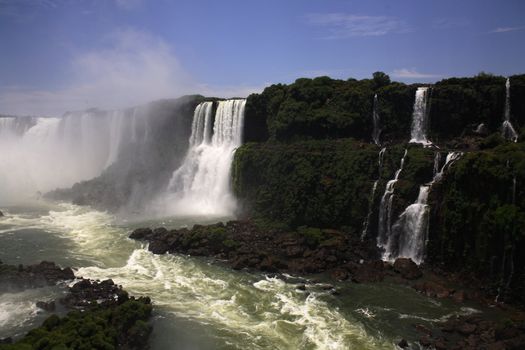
41	154
418	131
385	207
410	232
372	195
201	185
377	126
507	129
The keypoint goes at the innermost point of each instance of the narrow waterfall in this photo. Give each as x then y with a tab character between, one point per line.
410	232
385	207
41	154
377	126
418	132
201	185
507	129
373	193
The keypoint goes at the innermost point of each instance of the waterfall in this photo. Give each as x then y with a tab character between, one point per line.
507	129
409	234
41	154
201	185
418	131
373	193
385	207
377	127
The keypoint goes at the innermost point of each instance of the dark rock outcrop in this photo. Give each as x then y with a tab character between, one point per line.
407	268
16	278
243	244
103	317
473	332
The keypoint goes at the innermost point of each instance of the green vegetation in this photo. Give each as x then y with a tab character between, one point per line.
324	108
122	326
321	183
479	221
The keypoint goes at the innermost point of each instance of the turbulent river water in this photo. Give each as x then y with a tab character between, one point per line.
200	303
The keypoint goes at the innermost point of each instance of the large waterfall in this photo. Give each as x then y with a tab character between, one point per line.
41	154
507	129
377	126
418	133
201	185
385	207
410	232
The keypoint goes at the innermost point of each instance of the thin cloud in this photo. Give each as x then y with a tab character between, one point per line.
450	23
506	29
412	74
134	69
345	25
137	68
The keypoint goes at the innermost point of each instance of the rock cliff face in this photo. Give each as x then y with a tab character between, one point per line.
309	160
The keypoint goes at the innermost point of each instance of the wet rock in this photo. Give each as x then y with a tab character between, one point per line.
158	247
407	268
403	344
46	306
458	296
423	329
340	274
369	271
441	345
140	233
467	328
17	278
7	340
87	293
301	287
432	289
1	214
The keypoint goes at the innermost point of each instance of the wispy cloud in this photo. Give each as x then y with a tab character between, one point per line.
506	29
133	69
412	74
345	25
450	23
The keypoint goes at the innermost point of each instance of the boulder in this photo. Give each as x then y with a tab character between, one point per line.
432	289
407	268
46	305
158	247
403	344
140	233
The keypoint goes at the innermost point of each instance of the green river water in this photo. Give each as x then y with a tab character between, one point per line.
200	303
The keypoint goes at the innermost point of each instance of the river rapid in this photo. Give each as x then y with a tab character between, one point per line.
200	303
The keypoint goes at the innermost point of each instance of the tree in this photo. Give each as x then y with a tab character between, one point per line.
380	79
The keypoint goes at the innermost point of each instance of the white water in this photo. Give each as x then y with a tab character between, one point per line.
42	154
507	129
418	132
377	126
385	207
410	232
372	195
237	310
201	185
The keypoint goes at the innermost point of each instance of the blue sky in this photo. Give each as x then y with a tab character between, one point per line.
59	55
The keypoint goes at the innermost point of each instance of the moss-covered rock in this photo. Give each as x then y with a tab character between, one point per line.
478	219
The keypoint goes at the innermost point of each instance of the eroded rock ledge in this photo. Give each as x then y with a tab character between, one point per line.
244	244
103	315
